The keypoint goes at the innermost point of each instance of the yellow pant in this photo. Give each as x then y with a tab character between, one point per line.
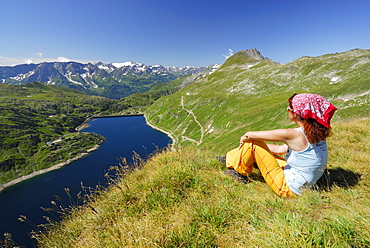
270	165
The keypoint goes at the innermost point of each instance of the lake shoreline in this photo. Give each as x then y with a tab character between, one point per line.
161	130
40	172
68	161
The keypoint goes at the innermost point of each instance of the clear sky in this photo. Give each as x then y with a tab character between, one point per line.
178	32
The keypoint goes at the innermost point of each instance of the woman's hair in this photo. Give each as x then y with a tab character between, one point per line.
314	131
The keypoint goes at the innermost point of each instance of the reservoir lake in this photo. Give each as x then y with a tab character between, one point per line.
124	136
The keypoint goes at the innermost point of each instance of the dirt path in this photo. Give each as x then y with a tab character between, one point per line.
172	136
196	120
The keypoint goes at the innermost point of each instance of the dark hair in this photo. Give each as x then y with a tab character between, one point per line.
314	131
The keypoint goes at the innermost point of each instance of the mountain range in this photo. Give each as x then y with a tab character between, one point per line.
115	80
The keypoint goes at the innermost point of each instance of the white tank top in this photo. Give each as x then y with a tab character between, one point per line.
305	167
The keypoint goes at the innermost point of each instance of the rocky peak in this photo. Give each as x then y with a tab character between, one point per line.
254	54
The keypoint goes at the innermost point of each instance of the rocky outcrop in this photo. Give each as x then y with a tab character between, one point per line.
255	54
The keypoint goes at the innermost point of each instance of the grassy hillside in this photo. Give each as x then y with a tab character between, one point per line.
248	94
181	198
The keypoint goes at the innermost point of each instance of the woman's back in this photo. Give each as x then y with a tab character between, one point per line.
307	166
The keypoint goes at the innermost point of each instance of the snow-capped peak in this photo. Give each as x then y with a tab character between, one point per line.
125	64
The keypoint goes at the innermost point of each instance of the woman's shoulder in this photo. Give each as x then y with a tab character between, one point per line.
297	139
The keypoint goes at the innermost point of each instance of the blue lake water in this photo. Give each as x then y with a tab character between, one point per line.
123	136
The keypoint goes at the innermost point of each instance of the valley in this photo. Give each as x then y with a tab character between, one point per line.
180	196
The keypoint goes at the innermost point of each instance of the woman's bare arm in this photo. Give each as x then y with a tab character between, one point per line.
293	138
279	135
279	150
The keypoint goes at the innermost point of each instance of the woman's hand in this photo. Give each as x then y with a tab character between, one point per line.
243	139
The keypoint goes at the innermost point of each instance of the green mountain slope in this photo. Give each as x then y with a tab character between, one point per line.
251	94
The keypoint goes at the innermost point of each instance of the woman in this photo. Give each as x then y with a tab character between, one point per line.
305	148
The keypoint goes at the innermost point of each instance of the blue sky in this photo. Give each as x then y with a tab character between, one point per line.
178	32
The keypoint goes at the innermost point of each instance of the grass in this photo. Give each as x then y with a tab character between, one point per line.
181	198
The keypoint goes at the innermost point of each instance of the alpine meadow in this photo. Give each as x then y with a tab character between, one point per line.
180	197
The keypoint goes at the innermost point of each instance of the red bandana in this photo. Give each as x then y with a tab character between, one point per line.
313	106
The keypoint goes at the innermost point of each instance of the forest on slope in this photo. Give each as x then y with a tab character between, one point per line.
38	125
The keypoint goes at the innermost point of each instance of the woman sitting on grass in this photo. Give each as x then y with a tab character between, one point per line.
305	148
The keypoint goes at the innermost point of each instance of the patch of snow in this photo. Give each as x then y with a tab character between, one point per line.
94	85
105	67
20	77
85	76
334	80
141	68
124	64
69	78
211	130
50	81
214	68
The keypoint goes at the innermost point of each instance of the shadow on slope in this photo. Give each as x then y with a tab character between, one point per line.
337	177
